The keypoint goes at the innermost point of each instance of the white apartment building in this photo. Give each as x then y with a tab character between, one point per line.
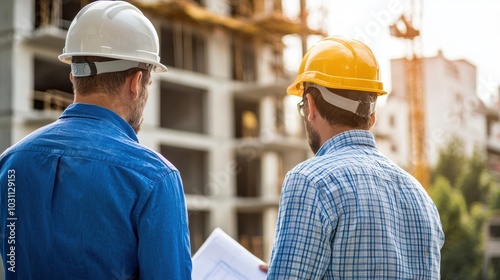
218	114
452	107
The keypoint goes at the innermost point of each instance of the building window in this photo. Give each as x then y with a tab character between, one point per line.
192	164
249	124
250	233
494	231
392	121
182	108
53	89
493	268
200	2
57	13
452	70
248	176
183	47
244	67
394	148
460	108
198	221
246	118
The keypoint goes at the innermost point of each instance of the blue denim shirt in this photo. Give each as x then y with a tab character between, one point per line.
82	199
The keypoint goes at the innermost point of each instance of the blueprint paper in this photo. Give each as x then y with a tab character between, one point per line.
222	258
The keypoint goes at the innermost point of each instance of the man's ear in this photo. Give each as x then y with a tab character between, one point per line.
373	119
135	84
71	78
311	108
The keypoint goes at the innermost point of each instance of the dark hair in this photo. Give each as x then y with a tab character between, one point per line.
109	83
337	116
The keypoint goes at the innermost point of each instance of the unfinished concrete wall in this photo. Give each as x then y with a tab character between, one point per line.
6	74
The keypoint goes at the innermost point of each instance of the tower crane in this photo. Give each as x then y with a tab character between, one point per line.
407	28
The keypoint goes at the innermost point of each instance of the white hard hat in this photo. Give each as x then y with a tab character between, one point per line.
113	29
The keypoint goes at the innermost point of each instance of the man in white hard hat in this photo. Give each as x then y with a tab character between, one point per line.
81	198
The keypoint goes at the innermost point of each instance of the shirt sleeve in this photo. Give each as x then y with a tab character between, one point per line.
302	247
163	233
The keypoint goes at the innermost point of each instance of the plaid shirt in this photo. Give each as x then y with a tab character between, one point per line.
351	213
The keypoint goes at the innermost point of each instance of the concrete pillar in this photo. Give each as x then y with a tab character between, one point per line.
267	118
270	217
270	180
6	75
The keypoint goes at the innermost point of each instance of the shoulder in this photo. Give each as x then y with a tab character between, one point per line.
318	167
28	141
158	159
344	169
311	178
145	161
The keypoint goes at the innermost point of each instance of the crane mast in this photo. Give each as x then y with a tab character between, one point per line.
406	27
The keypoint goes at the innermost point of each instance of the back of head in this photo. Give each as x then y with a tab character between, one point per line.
343	76
110	37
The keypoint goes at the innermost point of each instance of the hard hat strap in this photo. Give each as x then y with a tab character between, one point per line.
358	107
87	69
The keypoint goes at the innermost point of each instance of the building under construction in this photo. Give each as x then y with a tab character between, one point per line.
218	114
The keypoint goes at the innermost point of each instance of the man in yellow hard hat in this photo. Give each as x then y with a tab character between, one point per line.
83	198
349	212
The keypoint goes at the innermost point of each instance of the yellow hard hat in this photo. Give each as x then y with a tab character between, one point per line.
339	63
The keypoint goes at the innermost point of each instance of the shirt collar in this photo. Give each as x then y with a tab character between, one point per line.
91	111
347	138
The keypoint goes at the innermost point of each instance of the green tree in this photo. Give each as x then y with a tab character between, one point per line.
464	192
451	161
476	182
494	201
461	256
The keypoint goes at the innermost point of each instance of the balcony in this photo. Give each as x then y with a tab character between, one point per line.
53	18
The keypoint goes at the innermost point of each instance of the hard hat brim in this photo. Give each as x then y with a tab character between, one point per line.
334	82
157	67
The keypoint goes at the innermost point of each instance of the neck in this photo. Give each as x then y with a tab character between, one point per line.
103	100
329	131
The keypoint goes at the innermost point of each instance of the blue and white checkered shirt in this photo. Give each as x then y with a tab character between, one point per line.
351	213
